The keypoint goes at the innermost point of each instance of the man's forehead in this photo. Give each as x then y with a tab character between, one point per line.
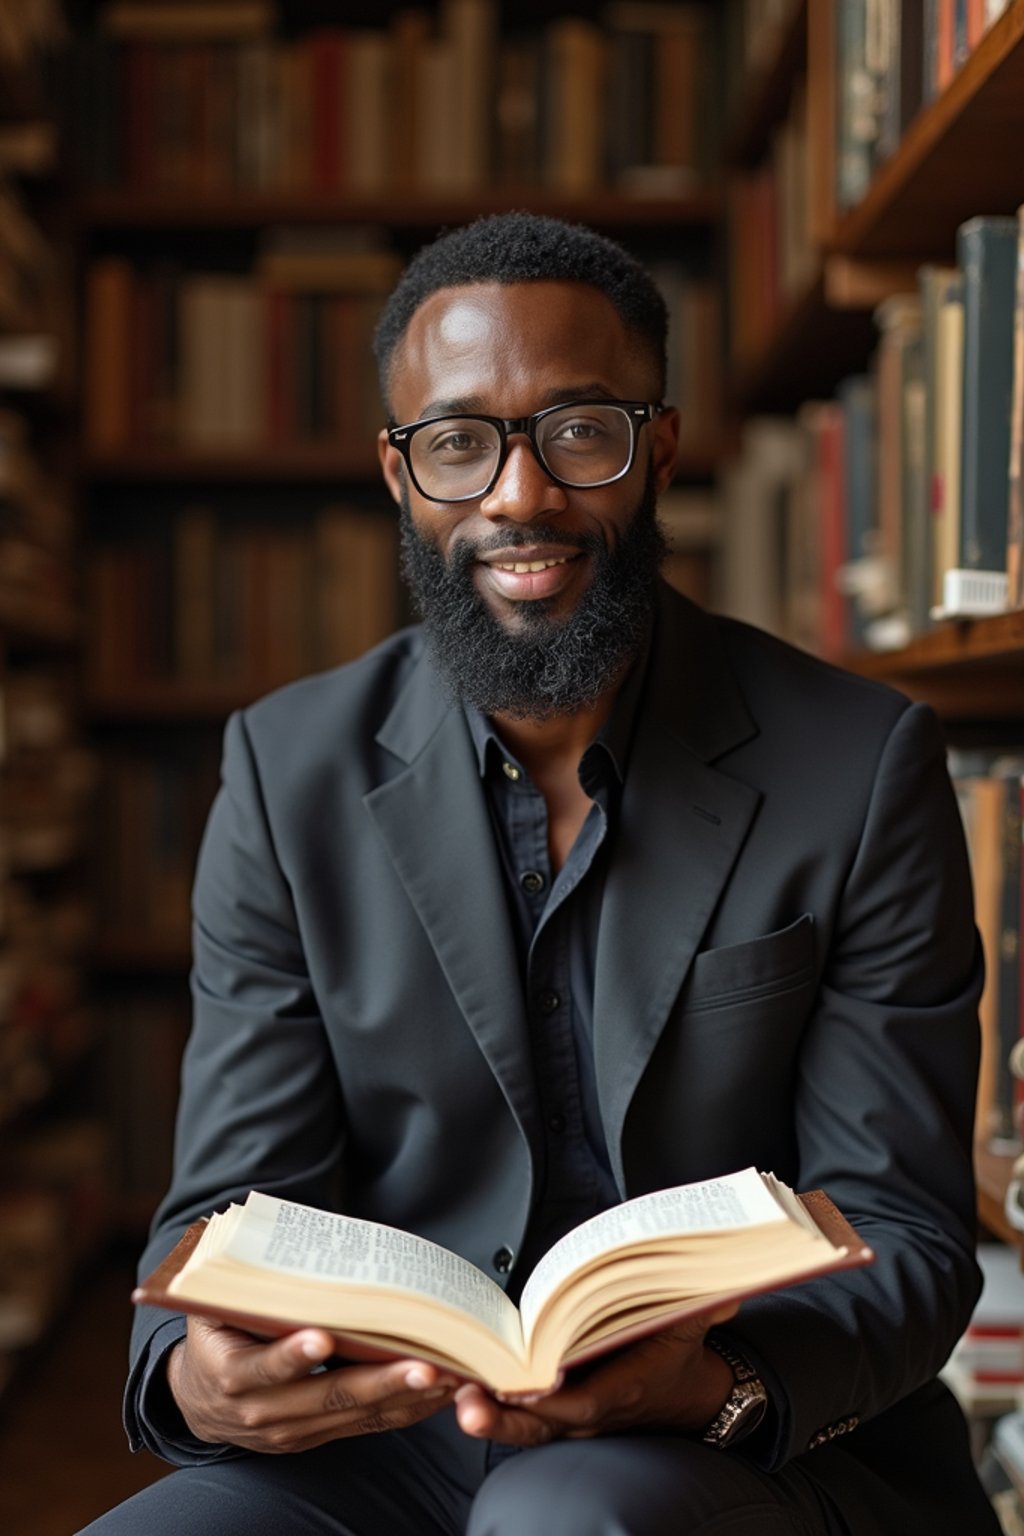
523	324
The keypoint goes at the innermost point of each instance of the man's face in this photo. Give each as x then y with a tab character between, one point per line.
549	638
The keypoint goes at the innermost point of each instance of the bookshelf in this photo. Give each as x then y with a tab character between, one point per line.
181	525
955	158
54	1188
952	161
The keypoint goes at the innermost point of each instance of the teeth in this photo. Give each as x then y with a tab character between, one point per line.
524	567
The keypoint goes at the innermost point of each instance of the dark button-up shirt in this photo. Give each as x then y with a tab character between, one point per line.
555	921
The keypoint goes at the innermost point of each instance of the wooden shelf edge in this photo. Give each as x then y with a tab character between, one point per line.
170	703
767	93
992	1172
811	348
955	643
863	230
119	210
294	462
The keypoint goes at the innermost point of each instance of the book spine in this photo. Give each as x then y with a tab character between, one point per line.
987	255
1015	493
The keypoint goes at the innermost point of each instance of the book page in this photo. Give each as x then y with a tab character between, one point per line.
297	1239
714	1205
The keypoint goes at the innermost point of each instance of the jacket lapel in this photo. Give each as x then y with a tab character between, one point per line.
434	822
682	824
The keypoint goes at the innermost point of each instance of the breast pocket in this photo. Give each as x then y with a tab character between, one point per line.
755	971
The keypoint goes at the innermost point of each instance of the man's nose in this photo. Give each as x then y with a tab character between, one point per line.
524	489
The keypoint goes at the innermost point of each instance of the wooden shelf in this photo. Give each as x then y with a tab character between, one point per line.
813	347
968	669
766	94
959	157
169	703
24	624
117	210
992	1172
299	461
147	955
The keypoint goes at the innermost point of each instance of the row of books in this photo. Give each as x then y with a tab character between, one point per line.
893	57
283	354
205	360
986	1367
145	1033
990	792
205	601
899	502
1003	1469
150	814
212	99
772	249
37	582
55	1213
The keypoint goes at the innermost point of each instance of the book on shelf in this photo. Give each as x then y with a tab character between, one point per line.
987	256
212	602
145	1036
169	20
213	361
1015	491
272	1265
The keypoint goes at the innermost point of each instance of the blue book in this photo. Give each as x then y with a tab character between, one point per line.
856	396
987	256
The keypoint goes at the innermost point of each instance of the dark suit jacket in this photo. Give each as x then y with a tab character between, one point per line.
787	975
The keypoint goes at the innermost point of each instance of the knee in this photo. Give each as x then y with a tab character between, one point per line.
547	1493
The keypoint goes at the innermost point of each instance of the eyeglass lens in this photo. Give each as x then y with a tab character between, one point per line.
583	445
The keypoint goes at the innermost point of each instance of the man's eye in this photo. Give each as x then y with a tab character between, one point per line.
578	432
452	443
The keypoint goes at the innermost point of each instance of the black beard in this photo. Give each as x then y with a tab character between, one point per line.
550	666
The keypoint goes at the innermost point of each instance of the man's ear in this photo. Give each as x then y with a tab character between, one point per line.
391	466
666	446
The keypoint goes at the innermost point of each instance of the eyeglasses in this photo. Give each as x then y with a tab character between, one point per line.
580	445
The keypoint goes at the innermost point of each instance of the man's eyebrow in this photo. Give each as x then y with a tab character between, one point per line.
474	405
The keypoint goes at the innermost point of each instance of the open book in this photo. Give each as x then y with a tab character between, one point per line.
270	1266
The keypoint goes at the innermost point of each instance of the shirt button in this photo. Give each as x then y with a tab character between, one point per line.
548	1002
503	1260
557	1124
511	772
532	881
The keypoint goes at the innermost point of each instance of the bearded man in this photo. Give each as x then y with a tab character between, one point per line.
570	893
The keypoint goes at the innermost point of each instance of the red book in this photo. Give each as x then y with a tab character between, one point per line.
326	76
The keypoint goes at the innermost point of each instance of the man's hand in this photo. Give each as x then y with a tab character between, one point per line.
669	1381
236	1390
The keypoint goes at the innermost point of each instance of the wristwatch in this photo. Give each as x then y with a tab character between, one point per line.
745	1406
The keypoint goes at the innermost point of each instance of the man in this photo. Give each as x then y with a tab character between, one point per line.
574	893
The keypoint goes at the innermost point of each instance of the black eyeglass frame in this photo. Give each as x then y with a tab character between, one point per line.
638	414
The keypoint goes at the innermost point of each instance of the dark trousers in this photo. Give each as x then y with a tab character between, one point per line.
432	1481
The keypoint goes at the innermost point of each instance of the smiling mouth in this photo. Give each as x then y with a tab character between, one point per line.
526	567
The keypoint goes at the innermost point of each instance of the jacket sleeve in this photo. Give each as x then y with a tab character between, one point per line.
885	1105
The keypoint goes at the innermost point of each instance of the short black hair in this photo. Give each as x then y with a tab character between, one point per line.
523	248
